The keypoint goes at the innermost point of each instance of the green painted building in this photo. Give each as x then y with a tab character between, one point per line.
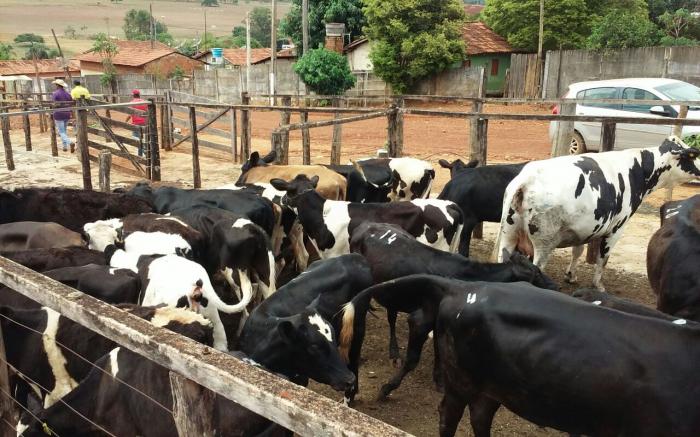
486	48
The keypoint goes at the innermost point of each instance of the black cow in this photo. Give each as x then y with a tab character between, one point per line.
479	193
329	223
393	253
68	207
56	360
50	259
554	360
370	183
672	260
290	333
167	199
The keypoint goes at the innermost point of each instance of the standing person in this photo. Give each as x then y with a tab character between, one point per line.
62	115
137	120
79	91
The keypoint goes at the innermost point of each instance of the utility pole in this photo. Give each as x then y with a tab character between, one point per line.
204	40
153	24
247	51
63	59
305	26
273	58
541	39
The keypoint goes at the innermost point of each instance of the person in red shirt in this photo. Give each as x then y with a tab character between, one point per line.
137	120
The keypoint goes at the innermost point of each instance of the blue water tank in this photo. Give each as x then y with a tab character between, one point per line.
217	53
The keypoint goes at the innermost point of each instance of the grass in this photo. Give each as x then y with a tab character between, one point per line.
185	19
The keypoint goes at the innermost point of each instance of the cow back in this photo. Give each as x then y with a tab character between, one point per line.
331	185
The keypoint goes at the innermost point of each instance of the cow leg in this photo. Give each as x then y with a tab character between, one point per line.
606	244
265	274
451	410
466	237
393	342
438	379
418	330
296	238
570	275
542	251
481	412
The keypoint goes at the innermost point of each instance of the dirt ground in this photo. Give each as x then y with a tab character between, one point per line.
413	407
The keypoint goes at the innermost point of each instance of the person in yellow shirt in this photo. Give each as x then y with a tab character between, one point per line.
79	91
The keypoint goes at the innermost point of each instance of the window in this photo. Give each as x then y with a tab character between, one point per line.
637	94
494	67
602	93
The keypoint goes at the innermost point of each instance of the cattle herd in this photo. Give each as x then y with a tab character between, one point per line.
280	269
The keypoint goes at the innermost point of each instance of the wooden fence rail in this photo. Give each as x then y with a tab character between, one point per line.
281	401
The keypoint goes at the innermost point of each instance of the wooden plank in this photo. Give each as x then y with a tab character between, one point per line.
192	407
206	143
105	161
117	123
103	134
305	139
6	141
82	143
115	152
52	135
206	115
391	131
607	142
565	130
206	130
27	127
245	127
334	121
196	175
152	142
285	117
200	128
112	106
400	104
291	405
8	411
234	134
121	146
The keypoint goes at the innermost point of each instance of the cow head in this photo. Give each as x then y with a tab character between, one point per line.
310	343
102	233
364	190
525	270
683	161
8	203
256	161
457	165
295	188
143	190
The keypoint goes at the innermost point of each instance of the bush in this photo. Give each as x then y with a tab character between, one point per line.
692	140
325	72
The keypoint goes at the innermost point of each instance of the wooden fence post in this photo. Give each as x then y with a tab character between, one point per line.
8	411
105	159
6	142
400	104
42	116
305	139
26	125
276	141
284	120
477	134
52	133
565	130
245	127
164	126
192	407
153	140
337	135
169	117
83	152
608	129
196	176
391	131
677	131
234	134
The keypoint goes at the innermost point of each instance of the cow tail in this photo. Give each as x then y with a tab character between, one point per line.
246	291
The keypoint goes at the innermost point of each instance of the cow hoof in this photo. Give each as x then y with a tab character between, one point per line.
569	278
383	394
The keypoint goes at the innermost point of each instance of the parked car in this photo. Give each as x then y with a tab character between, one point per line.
586	136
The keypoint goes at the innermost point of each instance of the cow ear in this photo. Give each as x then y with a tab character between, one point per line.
471	164
254	158
444	164
314	181
287	331
690	153
279	184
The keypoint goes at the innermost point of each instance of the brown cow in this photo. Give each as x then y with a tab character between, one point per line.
672	259
331	185
37	235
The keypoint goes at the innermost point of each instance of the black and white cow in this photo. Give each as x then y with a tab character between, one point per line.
178	282
294	331
571	200
524	347
50	259
50	359
146	234
66	206
235	246
479	193
393	253
411	178
167	199
329	224
37	235
672	260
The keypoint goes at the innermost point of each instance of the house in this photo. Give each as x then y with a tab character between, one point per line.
140	58
473	10
486	48
22	74
236	58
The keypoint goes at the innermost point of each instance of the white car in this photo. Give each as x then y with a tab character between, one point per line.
586	137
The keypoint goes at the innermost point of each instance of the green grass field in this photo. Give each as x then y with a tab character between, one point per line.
89	17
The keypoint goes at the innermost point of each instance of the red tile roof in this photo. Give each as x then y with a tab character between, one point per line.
132	53
45	66
473	9
238	56
480	39
355	44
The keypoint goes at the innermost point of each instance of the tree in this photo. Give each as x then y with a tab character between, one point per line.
6	52
69	32
260	25
619	30
137	26
680	27
29	37
566	22
40	51
322	12
210	3
325	72
658	7
187	47
413	39
107	49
